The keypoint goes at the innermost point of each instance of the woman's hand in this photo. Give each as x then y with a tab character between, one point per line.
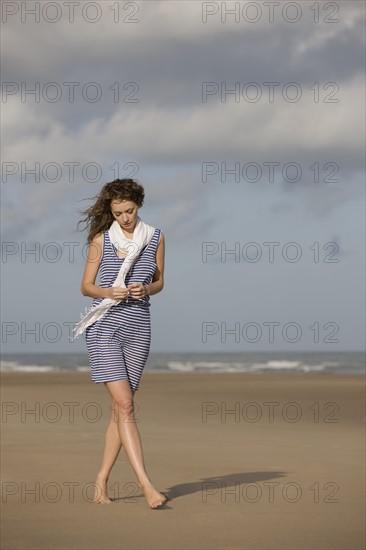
118	293
137	290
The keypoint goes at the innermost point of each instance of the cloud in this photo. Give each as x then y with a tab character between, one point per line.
170	132
280	130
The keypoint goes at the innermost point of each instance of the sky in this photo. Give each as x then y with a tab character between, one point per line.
244	122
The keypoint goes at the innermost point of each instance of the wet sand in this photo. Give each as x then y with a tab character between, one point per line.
251	461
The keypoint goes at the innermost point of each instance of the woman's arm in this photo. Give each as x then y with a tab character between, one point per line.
158	278
95	254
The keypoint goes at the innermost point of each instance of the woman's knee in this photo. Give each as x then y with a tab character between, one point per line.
122	396
122	408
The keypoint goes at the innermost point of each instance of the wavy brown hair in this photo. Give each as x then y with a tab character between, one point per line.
99	216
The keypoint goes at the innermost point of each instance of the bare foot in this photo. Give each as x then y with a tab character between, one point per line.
153	497
100	495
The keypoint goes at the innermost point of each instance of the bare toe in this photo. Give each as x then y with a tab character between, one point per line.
102	500
153	497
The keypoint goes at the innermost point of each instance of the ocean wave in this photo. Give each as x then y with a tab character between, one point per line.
181	363
229	366
13	366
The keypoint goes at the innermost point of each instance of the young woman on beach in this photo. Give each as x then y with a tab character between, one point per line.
118	343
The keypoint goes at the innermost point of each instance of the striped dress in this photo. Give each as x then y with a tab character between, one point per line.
118	344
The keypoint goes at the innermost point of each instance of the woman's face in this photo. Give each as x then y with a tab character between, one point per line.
125	212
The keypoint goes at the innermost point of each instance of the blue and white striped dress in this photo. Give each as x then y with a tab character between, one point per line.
118	344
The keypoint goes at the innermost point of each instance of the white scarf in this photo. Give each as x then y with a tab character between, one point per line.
141	237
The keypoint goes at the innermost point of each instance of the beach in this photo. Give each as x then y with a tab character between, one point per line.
250	461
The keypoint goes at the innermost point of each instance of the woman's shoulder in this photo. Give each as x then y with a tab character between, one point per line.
98	237
161	235
98	241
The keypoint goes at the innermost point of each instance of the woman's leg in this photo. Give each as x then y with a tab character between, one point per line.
122	397
112	447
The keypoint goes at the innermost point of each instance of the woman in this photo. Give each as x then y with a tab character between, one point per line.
118	343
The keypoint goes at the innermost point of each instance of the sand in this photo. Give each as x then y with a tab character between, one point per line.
283	470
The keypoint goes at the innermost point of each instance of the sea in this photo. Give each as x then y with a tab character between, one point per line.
329	363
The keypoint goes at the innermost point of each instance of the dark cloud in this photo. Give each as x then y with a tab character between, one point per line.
169	54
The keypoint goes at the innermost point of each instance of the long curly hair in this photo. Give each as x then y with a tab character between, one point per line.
99	216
